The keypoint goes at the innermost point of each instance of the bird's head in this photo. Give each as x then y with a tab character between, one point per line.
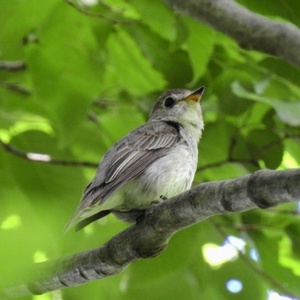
180	106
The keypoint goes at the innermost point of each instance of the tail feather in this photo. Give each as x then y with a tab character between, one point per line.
81	224
83	217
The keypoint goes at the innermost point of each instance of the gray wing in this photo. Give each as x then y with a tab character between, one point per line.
126	160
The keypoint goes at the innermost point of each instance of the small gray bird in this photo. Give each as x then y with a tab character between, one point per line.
155	161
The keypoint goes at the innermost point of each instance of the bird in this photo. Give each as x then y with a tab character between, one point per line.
154	162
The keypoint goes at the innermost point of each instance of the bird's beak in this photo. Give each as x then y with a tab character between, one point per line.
195	95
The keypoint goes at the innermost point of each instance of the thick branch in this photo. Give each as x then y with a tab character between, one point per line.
250	30
150	236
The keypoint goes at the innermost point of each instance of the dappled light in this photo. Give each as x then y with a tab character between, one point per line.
234	286
77	76
11	222
217	255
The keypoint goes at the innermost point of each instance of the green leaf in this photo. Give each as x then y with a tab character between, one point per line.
266	145
294	241
288	112
286	256
128	69
174	64
231	104
284	72
199	44
268	249
68	65
292	147
218	151
157	15
40	196
89	81
209	152
25	16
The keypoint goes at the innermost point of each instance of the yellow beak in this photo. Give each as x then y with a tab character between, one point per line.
195	95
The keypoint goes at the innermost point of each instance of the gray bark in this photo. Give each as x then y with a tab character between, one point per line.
150	236
250	30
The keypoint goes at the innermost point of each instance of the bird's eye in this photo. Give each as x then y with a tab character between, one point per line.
169	102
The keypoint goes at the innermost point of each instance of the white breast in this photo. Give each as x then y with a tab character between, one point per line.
167	177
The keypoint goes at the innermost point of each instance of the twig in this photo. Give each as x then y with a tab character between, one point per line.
17	65
280	287
45	158
16	88
275	143
251	161
104	103
96	15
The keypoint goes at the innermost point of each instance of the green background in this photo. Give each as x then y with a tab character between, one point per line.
92	75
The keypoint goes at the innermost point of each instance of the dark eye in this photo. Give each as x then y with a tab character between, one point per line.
169	102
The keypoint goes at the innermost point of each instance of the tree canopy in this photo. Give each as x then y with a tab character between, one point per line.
76	76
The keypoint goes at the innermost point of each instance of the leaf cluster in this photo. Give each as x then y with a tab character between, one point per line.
76	77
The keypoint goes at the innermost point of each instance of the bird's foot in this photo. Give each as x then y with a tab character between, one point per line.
155	202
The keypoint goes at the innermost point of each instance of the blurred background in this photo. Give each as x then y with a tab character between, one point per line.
76	76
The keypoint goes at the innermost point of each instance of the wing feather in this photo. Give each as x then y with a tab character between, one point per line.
126	160
140	147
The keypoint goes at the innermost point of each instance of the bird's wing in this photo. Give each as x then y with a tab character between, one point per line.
126	160
130	157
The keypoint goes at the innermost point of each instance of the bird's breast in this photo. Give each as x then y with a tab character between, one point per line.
168	176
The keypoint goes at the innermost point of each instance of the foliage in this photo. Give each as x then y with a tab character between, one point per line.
92	74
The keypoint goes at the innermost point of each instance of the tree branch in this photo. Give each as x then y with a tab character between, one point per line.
15	87
150	236
45	158
98	15
17	65
250	30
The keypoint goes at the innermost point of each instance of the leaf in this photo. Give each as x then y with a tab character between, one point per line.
284	72
215	155
293	234
164	17
68	67
286	256
174	64
268	249
199	44
288	112
25	15
215	139
264	144
292	147
41	196
229	103
75	61
128	69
